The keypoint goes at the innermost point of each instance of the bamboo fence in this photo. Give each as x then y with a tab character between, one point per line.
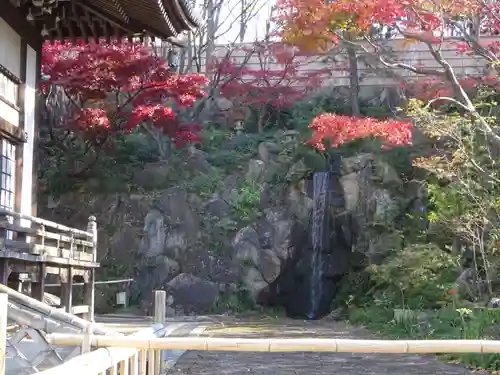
282	344
127	360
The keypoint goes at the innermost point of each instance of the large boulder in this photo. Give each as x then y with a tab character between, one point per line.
192	294
262	250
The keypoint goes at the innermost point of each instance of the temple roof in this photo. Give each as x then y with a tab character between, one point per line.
91	19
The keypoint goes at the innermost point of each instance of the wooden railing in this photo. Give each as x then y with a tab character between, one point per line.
53	241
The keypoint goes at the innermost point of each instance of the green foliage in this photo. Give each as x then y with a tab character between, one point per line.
108	172
450	322
203	185
418	276
228	151
245	208
235	302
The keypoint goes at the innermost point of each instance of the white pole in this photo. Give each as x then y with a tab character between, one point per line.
283	344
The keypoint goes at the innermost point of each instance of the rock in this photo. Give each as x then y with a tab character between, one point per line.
270	266
153	275
265	232
256	169
387	173
127	240
170	312
298	203
192	293
297	171
335	315
356	163
385	207
230	191
254	282
152	176
287	136
153	240
198	163
246	246
175	242
174	205
282	238
217	208
267	150
350	184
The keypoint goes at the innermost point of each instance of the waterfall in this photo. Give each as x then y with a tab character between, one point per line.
319	235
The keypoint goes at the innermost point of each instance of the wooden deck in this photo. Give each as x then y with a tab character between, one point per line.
34	250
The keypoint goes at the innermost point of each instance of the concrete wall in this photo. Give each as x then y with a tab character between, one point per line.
414	54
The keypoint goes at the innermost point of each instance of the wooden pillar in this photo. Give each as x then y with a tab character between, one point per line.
38	285
160	303
4	270
89	294
67	289
89	287
3	331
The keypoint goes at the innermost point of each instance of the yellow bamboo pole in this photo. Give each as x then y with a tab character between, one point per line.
283	344
99	361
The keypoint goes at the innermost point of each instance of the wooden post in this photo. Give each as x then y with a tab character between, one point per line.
4	271
67	290
160	304
38	286
89	287
86	344
155	357
3	331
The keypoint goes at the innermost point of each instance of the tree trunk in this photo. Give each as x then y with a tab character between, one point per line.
353	81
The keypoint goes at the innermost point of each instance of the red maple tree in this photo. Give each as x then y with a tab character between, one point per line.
113	88
319	26
267	75
334	130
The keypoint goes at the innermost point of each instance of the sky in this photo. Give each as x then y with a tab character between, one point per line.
230	13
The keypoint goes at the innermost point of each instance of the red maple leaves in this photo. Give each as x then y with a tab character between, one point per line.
334	130
115	87
270	73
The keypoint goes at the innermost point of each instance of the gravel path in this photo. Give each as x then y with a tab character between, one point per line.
225	363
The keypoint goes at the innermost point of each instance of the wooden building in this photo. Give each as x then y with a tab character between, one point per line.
31	247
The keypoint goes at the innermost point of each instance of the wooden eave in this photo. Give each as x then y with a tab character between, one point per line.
106	19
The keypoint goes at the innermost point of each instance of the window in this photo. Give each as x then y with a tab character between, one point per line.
9	87
8	167
7	178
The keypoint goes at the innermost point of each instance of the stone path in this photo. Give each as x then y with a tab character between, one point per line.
227	363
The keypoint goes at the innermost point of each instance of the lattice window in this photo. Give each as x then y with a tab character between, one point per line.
7	178
9	86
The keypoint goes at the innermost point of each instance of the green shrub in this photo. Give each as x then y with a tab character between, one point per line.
418	276
448	323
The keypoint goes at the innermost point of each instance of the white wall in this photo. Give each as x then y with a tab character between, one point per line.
10	48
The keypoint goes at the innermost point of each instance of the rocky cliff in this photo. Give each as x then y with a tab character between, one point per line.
217	237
